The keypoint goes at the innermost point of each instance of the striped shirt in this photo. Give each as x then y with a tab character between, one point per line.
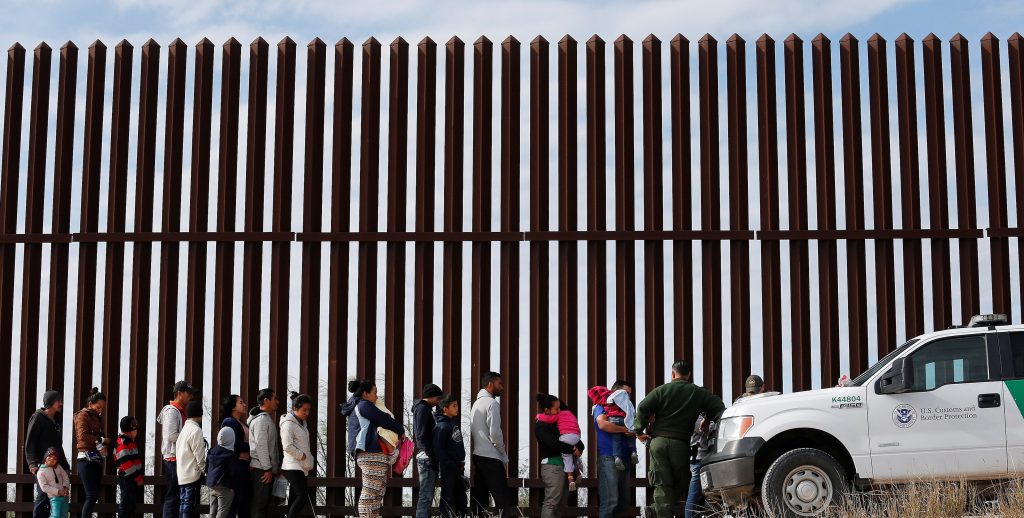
127	459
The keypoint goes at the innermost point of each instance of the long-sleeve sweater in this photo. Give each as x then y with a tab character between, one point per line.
485	427
264	442
191	453
53	480
172	420
127	459
448	447
423	424
42	434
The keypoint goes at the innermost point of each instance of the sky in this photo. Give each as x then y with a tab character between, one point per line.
30	22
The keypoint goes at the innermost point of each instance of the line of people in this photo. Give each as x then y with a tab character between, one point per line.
257	457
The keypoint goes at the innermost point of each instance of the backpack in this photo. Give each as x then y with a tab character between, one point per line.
405	449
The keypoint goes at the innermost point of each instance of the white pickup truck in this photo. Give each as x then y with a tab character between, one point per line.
943	406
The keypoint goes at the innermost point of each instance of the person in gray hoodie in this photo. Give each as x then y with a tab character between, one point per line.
489	459
264	451
172	420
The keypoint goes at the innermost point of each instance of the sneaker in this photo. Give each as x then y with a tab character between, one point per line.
635	458
619	465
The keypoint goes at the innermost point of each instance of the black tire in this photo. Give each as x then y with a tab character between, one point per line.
821	479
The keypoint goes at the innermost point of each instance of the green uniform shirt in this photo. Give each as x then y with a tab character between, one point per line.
675	407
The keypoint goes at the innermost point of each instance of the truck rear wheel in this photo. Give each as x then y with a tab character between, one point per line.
803	482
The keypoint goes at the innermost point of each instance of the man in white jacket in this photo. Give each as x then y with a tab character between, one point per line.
191	453
489	457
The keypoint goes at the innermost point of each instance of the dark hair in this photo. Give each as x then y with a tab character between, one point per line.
299	399
545	401
264	395
682	368
360	387
621	384
489	378
447	400
227	405
95	396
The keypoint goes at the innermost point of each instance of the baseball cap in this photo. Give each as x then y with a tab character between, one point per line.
182	386
129	424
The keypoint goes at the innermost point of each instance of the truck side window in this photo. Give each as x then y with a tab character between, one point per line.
952	360
1017	354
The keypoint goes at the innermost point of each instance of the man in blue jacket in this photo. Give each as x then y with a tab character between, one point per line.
422	428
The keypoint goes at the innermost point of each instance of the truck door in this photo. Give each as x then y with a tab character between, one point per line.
951	423
1013	400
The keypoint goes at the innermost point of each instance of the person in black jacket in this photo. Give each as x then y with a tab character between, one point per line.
450	453
422	429
44	432
550	451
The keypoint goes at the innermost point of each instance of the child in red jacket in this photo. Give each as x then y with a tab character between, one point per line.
129	467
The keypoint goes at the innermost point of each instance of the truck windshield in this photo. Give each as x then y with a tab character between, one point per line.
863	378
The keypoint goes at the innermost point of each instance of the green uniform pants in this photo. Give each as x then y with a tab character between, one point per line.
670	474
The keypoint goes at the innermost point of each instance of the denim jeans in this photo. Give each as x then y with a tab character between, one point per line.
172	493
90	473
612	487
41	509
131	494
428	481
695	497
189	500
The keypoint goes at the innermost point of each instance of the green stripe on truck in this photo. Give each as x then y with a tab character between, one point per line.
1016	388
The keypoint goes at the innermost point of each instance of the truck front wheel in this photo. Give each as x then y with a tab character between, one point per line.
803	482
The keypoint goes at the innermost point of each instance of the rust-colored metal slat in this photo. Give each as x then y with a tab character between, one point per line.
281	217
10	162
394	327
995	155
423	290
64	145
682	219
142	253
597	220
91	162
768	170
451	301
1015	62
539	221
252	252
853	178
739	203
32	256
509	275
199	202
480	274
568	258
910	189
654	257
369	163
966	204
711	251
938	210
825	169
312	213
117	193
796	161
341	185
625	251
224	265
167	319
881	181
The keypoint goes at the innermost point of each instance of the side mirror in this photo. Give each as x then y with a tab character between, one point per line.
898	379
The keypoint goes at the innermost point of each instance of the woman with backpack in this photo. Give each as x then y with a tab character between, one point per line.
297	461
371	452
91	445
